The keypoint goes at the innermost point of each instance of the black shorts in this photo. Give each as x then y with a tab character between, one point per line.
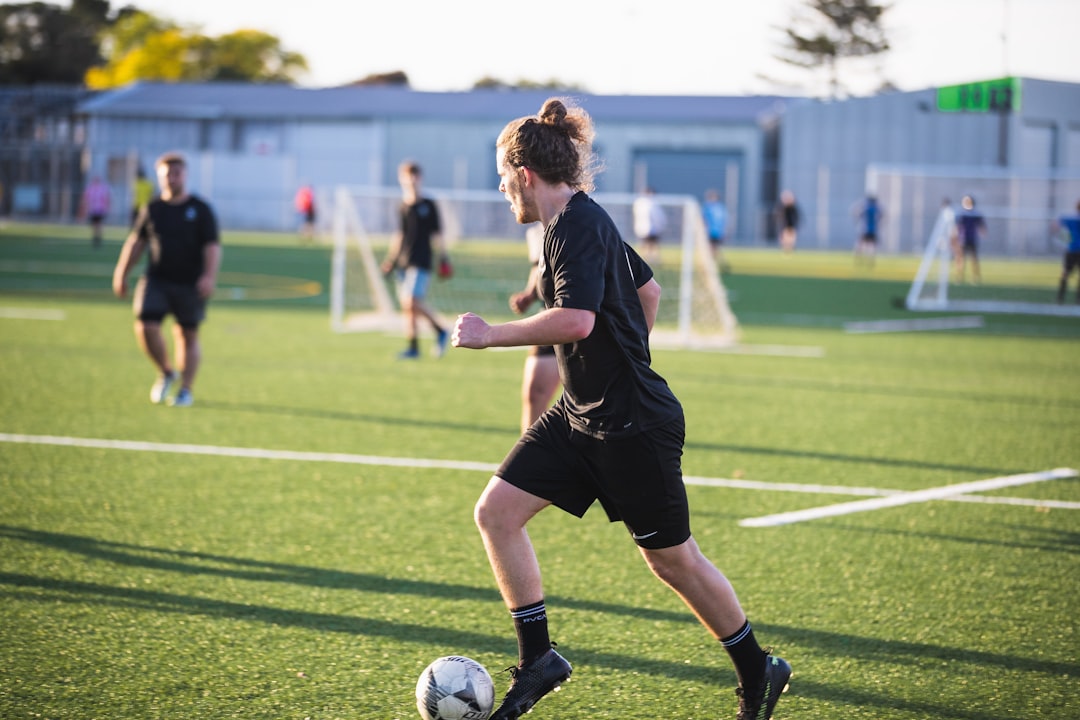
1070	262
155	298
637	478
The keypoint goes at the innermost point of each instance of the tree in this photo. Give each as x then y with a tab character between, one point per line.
554	85
832	31
45	43
249	55
140	46
394	78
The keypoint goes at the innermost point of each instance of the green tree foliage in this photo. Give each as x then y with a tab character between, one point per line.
141	46
555	85
45	43
394	78
832	31
248	55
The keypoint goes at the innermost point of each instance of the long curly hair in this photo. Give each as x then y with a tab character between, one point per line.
556	144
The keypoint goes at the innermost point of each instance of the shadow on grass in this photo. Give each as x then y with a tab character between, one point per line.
773	451
851	647
1045	540
511	432
889	391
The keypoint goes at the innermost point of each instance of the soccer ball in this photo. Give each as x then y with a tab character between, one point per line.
455	688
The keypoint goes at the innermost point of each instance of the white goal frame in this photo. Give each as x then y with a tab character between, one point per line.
936	266
699	280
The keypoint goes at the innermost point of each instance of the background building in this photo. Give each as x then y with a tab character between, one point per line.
1015	143
251	146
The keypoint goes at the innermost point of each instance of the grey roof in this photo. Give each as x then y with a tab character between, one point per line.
254	101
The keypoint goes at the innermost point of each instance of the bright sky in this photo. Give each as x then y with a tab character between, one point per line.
669	47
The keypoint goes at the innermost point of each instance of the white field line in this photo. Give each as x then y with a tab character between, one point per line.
871	492
10	313
907	498
918	325
256	453
348	458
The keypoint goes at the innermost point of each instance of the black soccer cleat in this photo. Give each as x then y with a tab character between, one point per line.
530	683
775	682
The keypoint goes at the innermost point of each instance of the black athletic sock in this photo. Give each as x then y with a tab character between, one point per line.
747	655
414	345
530	624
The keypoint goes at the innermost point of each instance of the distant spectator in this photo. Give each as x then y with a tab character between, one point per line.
96	199
650	221
142	192
868	215
787	218
715	215
970	227
305	207
1069	225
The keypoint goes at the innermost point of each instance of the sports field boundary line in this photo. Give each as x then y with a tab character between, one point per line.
424	463
963	322
13	313
908	498
253	453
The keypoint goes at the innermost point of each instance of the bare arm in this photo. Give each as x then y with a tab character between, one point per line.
207	282
438	243
520	301
392	254
554	326
649	294
129	256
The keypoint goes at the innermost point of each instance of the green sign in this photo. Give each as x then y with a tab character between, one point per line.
989	96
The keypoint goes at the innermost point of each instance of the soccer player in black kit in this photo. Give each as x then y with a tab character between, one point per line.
181	233
615	435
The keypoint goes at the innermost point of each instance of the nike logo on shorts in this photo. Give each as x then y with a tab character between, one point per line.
642	537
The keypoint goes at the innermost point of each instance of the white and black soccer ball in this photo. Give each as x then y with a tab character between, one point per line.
455	688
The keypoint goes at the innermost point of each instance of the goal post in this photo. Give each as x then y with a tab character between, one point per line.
490	262
1020	259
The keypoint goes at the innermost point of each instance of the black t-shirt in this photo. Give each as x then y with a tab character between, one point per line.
609	387
177	236
419	222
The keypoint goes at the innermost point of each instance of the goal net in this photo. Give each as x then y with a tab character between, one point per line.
490	263
1020	257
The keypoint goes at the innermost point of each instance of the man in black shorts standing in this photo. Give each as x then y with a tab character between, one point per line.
412	253
181	233
615	435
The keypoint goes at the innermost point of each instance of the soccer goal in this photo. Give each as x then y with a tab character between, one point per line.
1020	258
490	262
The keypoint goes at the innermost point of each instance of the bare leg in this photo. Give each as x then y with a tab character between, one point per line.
188	354
422	309
699	583
152	343
501	515
538	385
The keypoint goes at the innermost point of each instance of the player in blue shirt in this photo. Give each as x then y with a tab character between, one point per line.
970	226
869	214
715	214
1069	224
